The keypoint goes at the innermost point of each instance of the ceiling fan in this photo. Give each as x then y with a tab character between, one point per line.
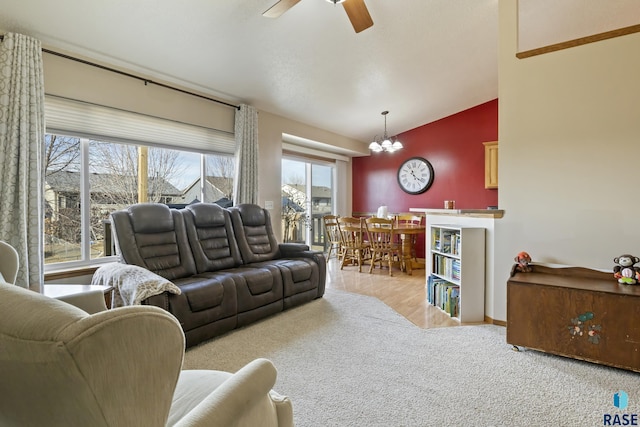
356	11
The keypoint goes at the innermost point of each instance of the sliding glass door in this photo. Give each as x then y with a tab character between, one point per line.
307	195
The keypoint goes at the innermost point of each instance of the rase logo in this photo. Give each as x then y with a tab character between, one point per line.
620	401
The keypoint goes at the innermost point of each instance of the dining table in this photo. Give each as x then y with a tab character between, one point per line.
406	231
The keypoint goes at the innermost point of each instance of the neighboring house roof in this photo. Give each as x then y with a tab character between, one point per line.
317	191
213	185
220	182
69	182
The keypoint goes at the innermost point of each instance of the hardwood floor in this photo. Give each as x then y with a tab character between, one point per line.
406	294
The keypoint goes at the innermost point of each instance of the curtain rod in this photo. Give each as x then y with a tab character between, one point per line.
133	76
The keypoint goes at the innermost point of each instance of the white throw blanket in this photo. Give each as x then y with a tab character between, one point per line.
131	283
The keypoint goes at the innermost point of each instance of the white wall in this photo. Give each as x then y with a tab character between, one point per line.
569	130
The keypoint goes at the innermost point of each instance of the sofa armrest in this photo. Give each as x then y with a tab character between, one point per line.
288	250
299	250
245	398
132	284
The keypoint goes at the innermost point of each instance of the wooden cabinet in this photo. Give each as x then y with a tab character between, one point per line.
490	164
575	312
455	282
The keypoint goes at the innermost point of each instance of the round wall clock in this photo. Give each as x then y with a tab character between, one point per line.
415	175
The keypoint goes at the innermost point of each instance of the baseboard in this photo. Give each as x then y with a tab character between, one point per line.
488	319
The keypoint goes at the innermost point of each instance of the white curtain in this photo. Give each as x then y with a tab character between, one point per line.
246	179
21	146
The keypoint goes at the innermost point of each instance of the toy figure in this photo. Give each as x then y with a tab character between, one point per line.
625	270
522	263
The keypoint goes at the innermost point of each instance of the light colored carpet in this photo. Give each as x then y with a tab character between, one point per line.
350	360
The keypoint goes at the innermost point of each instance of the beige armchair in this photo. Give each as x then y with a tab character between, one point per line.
63	367
8	263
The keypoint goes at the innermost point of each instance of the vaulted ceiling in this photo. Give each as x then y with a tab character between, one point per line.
422	59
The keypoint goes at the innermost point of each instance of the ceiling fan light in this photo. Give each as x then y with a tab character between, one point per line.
336	1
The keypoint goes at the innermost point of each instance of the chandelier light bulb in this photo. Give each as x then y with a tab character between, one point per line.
374	146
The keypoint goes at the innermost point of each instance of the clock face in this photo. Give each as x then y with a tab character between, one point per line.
415	175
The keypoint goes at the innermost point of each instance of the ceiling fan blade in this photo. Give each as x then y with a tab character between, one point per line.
279	8
358	14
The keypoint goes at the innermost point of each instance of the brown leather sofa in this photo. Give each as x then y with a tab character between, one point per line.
227	263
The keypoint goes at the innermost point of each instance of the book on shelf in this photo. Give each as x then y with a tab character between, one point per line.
448	243
443	294
456	244
455	269
445	266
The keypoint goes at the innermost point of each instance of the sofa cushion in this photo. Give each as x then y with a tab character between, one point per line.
298	275
153	236
211	237
254	234
255	286
204	300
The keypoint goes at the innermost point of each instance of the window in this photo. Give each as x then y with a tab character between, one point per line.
95	158
87	179
307	195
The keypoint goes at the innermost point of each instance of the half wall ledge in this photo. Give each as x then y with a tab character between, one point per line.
476	213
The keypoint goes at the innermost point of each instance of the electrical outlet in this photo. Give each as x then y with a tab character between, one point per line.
268	204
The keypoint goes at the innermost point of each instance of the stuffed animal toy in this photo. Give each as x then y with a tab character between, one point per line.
522	263
625	270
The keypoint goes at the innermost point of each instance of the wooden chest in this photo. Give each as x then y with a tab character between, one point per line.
575	312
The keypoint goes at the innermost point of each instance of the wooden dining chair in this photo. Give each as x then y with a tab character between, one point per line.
332	233
352	241
382	244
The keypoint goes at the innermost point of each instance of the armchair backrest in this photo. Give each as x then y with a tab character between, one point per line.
63	367
153	236
8	263
211	237
254	233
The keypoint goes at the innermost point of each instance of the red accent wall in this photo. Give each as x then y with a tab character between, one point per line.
454	147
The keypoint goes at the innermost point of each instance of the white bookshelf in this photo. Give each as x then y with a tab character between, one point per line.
456	261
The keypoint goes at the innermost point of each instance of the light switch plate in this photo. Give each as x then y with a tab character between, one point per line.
268	204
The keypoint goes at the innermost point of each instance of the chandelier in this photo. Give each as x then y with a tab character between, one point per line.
385	143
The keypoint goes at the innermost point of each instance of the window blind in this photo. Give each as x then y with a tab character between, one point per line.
77	118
